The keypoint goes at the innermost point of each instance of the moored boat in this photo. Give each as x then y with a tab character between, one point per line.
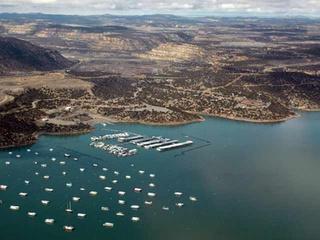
68	228
135	219
32	214
49	221
14	207
108	225
93	193
81	215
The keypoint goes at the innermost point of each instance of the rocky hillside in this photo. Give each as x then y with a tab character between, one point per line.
19	55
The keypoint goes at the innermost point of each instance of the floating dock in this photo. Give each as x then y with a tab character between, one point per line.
149	142
142	140
160	144
175	145
128	139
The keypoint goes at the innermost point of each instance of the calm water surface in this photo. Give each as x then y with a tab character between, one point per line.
252	181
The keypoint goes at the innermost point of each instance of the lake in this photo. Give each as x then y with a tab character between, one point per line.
252	181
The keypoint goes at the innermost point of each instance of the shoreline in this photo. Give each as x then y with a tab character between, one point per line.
247	120
39	134
100	119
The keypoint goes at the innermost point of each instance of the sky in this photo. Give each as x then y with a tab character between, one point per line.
179	7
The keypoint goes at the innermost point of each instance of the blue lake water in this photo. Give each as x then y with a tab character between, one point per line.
252	181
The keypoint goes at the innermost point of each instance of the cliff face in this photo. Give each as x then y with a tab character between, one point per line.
19	55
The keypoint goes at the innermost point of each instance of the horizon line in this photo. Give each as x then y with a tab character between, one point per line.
174	13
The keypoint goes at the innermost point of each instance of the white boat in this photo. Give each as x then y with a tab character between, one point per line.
82	169
44	165
53	159
104	209
81	215
64	173
128	177
67	155
135	207
36	173
69	184
14	208
18	156
148	202
180	205
46	177
116	173
102	177
82	189
114	181
36	153
104	169
49	221
121	202
93	193
141	171
108	225
28	150
165	208
48	189
7	163
193	199
62	163
95	165
178	194
108	189
121	193
32	214
135	219
27	182
23	194
76	199
151	194
51	149
10	153
137	190
3	187
120	214
69	208
68	228
152	175
152	185
75	159
45	202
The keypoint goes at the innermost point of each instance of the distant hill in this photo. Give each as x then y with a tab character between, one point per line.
19	55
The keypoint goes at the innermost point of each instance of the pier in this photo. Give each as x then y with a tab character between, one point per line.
128	139
145	139
175	145
160	144
149	142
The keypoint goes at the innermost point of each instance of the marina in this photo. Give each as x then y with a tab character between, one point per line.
116	150
178	193
139	140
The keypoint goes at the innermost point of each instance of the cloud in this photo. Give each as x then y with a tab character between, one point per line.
105	6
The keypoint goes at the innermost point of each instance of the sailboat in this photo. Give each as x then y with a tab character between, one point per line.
69	208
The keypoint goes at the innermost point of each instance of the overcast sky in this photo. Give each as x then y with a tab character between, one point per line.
290	7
